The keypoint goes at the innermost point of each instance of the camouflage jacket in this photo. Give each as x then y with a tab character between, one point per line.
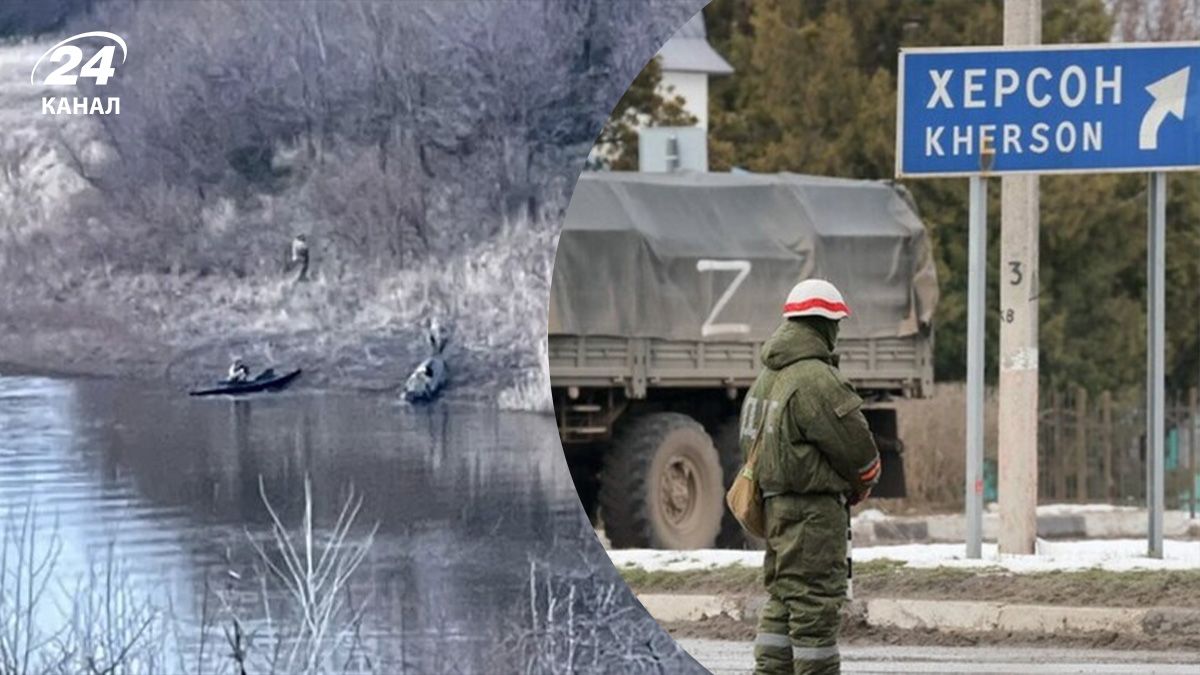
816	437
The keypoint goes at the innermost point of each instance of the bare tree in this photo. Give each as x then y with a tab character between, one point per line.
400	127
1156	20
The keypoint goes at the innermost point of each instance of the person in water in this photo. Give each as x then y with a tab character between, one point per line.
422	378
238	372
426	380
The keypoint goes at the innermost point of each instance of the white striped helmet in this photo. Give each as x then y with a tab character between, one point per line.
815	297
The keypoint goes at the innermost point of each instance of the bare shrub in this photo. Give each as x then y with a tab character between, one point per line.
99	626
303	619
578	622
114	628
306	622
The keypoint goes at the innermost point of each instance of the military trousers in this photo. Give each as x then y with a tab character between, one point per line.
805	575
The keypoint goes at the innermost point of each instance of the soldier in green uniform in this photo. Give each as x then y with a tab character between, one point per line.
817	455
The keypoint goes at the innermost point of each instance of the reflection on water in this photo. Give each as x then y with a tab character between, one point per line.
465	500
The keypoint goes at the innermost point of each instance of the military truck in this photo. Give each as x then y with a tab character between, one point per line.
665	287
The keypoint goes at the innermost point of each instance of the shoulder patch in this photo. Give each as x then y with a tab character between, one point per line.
846	402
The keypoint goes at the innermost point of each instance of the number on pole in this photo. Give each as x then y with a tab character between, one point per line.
1017	275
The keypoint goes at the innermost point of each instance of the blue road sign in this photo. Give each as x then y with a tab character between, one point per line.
1048	109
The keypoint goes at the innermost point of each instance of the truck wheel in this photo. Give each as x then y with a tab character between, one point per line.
726	438
661	485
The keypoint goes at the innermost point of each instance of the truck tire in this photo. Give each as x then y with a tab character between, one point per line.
661	485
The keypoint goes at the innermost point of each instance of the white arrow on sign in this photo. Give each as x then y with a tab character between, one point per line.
1170	94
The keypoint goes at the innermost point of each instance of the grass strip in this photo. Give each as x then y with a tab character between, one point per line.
893	579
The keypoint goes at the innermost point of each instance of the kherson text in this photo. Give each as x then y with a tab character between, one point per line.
991	88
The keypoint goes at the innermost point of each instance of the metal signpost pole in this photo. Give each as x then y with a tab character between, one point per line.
1155	358
1191	474
976	285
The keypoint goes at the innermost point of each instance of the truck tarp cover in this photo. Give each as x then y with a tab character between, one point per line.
630	256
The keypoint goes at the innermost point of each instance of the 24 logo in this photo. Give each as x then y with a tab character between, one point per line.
99	67
69	56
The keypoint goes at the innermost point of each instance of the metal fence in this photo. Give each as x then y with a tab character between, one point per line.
1093	449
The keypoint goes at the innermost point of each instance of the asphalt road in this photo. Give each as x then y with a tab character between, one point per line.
730	658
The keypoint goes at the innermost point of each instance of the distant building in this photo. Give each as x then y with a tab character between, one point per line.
688	60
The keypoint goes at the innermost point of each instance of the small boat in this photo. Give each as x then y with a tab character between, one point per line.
268	380
426	381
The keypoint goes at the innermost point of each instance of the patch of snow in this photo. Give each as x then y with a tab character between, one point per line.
1078	509
682	561
1113	555
871	516
878	516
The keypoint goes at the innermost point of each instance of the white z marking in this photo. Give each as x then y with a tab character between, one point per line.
742	267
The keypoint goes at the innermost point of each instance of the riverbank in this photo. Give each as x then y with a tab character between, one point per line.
153	280
358	332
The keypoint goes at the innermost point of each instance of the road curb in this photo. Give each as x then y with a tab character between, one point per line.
982	617
956	616
1126	523
672	608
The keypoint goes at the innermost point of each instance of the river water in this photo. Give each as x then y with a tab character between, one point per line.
470	505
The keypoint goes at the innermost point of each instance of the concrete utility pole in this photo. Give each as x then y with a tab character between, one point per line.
1018	394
